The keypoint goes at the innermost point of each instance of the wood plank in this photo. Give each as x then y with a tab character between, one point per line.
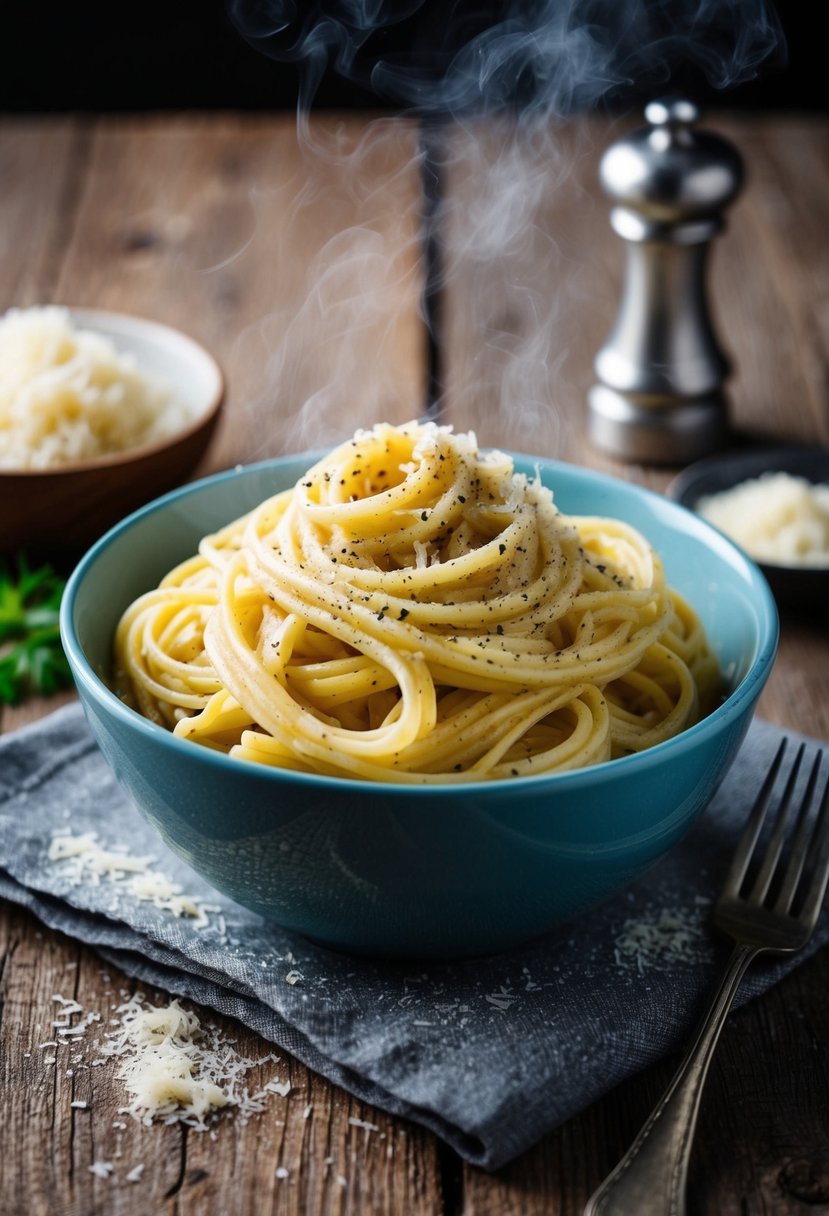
42	166
531	284
769	283
296	267
335	1163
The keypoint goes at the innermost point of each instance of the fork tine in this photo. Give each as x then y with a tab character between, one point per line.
746	843
820	875
775	845
801	841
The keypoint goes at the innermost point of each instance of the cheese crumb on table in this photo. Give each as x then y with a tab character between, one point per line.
180	1071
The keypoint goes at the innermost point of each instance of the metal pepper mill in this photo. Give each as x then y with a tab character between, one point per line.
660	398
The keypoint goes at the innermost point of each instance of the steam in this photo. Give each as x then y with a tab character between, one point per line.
483	95
550	56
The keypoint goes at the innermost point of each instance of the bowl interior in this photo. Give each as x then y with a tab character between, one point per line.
725	587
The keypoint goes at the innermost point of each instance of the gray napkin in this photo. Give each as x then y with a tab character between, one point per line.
490	1054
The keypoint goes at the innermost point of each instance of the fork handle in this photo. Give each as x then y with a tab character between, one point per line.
650	1179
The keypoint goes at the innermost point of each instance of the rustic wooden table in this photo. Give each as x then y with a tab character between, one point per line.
299	266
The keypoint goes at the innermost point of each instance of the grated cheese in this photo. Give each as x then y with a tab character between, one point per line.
89	862
776	518
674	936
369	1127
178	1070
67	395
86	861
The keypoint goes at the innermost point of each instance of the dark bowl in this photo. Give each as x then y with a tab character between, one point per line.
793	586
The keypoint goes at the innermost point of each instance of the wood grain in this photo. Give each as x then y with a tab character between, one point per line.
334	1165
298	266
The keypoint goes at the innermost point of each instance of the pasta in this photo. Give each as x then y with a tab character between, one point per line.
414	611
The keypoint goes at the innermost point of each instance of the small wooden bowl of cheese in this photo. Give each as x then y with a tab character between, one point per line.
774	502
99	413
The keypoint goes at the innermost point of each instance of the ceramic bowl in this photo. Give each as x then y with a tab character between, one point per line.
67	507
803	587
437	871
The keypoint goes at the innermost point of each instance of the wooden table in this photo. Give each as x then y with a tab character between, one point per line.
299	266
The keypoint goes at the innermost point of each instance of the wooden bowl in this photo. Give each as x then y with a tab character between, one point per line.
65	508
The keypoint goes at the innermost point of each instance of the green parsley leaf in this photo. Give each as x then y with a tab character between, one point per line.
32	661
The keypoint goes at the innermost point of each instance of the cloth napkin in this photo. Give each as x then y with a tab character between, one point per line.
489	1053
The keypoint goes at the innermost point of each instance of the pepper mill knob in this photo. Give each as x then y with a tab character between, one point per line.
661	370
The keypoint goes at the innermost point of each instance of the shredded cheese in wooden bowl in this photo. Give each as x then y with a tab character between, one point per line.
68	395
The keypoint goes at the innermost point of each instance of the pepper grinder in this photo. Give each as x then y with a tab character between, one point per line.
660	398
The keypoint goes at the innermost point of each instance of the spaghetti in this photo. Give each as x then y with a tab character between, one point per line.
414	611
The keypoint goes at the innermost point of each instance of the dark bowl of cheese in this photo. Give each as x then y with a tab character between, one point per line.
774	504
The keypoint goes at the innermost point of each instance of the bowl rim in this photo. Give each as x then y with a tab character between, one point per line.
733	704
88	317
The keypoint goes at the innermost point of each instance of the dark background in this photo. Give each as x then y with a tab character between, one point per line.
56	55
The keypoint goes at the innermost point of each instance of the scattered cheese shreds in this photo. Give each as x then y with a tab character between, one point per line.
86	861
178	1070
674	936
369	1127
91	860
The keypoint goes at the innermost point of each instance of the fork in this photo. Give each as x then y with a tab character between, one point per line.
774	910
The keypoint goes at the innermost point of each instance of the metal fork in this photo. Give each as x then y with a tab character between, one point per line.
774	910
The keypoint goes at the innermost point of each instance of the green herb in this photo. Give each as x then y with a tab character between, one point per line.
31	657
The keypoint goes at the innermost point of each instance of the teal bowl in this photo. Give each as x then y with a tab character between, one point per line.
425	871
